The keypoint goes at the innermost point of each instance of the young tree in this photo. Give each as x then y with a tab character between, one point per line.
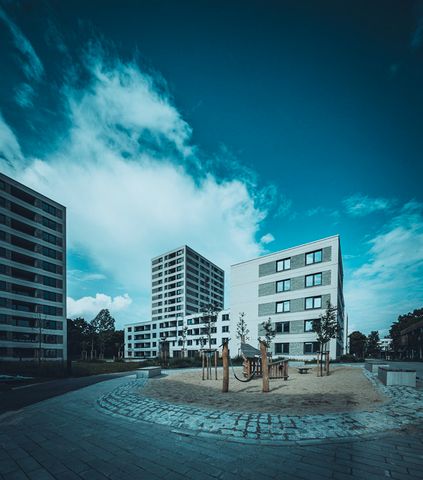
268	331
210	312
241	328
373	348
183	339
326	327
357	344
78	337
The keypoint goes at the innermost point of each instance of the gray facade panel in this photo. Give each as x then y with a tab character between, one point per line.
326	277
297	283
297	261
326	254
267	268
267	289
266	309
297	305
296	348
296	326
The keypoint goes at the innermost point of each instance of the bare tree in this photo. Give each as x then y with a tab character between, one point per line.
241	328
183	339
326	327
210	312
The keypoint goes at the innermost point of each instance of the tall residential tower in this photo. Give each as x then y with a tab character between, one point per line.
32	274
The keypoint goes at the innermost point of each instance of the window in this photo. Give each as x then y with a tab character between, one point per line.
284	264
311	347
282	307
313	280
281	347
282	327
313	302
225	317
308	325
225	329
313	257
283	285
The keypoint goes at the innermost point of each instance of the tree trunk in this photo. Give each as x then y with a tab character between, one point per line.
225	359
264	367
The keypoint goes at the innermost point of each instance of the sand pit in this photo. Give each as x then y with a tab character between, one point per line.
346	389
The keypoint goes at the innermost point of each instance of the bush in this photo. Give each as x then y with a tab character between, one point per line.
349	358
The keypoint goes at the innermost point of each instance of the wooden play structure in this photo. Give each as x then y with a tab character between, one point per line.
253	363
256	364
207	356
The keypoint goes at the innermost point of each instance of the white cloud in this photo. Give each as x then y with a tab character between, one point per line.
10	151
80	276
359	205
266	239
31	65
389	283
90	306
125	175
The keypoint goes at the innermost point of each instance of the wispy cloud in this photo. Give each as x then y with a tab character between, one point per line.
10	150
125	172
90	306
389	283
359	205
31	64
24	95
81	276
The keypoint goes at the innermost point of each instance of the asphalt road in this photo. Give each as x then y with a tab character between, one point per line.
27	394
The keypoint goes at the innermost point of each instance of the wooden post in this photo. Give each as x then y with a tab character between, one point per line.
207	365
215	364
327	362
202	362
264	367
225	361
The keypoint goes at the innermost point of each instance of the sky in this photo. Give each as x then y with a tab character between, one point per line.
238	128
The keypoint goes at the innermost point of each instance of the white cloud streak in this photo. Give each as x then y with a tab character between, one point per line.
359	205
31	64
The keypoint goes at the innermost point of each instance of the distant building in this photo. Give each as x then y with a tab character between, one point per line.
32	274
183	284
385	344
292	288
412	342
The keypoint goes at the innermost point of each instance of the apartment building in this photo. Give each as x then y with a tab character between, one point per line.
32	274
292	288
183	281
145	339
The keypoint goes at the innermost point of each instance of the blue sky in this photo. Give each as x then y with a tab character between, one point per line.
239	128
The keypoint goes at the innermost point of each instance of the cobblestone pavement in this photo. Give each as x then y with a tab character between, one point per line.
405	407
68	437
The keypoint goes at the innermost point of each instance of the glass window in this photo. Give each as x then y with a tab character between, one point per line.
284	264
281	347
313	257
282	307
311	347
313	302
308	325
283	285
313	280
282	327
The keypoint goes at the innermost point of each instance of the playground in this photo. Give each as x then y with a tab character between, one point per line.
346	389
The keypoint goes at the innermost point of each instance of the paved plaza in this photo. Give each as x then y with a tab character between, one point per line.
71	437
405	407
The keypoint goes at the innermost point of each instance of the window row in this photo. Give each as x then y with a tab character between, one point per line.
308	348
310	303
285	327
310	258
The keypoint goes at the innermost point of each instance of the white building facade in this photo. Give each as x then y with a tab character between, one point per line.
292	288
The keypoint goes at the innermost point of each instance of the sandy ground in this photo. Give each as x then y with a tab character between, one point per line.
345	389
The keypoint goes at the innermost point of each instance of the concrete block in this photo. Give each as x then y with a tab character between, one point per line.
373	366
148	372
395	376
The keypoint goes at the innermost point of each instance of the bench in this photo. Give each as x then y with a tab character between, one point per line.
303	370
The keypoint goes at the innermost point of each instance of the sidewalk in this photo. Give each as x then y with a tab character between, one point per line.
67	437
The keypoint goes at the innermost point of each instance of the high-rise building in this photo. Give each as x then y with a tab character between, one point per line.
32	274
291	287
183	282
